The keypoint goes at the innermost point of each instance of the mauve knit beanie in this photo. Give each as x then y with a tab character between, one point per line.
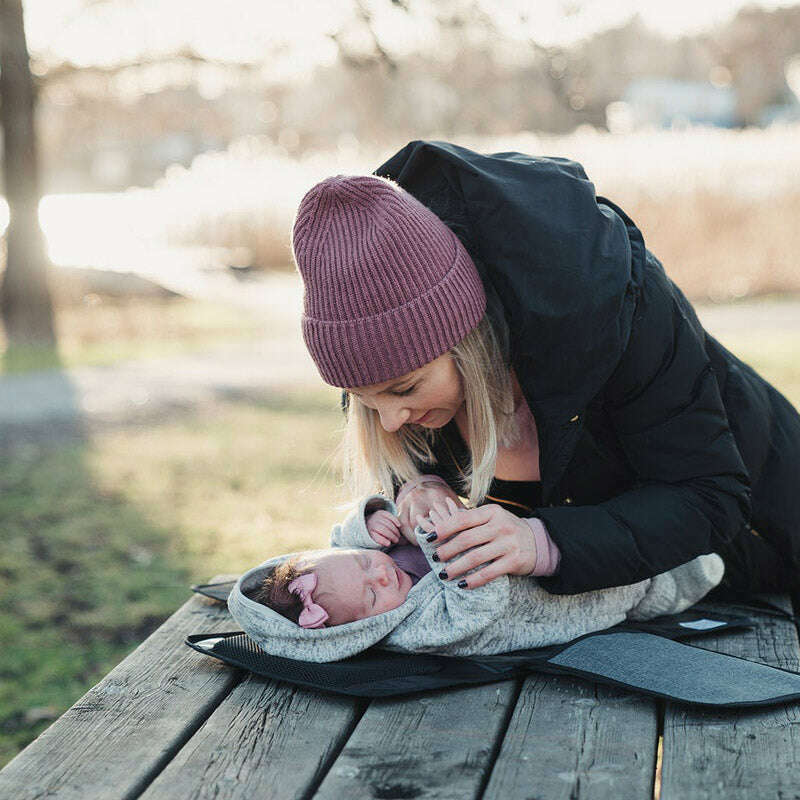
388	286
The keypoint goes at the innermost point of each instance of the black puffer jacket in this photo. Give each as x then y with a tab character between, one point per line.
652	435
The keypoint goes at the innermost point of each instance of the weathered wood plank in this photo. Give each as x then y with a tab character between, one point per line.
738	754
572	739
266	740
436	745
120	734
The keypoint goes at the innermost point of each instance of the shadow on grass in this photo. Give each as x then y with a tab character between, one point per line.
83	576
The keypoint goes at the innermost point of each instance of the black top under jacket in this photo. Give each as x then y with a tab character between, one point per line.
652	435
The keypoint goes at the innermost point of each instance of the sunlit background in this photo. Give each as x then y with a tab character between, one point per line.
177	140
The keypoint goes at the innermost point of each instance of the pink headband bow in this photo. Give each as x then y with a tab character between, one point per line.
312	616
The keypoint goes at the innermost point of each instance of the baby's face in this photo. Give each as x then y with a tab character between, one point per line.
353	584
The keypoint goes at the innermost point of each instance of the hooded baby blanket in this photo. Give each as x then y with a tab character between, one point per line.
508	613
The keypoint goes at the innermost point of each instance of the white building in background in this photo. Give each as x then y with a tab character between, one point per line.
668	103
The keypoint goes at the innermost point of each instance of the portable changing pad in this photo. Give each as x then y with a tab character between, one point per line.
641	656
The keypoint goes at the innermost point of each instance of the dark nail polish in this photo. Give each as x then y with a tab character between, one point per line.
432	537
434	556
462	584
443	574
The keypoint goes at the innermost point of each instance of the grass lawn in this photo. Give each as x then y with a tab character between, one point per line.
103	535
102	538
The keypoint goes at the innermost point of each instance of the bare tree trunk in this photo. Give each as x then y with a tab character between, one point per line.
25	303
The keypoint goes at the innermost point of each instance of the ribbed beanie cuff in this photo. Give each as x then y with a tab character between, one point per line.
388	286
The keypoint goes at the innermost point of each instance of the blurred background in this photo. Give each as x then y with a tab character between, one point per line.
160	421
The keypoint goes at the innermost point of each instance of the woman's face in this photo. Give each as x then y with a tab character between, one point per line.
354	584
430	396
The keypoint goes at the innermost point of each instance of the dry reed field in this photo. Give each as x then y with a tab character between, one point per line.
718	207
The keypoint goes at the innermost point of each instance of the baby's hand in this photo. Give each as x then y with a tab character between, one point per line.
439	513
383	527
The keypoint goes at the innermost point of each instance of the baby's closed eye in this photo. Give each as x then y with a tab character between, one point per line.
365	562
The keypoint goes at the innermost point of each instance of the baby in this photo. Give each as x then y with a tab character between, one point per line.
372	587
340	585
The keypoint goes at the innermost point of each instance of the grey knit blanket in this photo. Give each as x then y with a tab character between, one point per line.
508	613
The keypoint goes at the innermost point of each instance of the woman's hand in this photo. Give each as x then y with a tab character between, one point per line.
383	527
497	535
418	503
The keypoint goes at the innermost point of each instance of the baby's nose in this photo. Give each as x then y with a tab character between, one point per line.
384	574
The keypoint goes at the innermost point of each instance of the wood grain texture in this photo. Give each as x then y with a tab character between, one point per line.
434	745
572	739
171	723
266	740
119	735
738	754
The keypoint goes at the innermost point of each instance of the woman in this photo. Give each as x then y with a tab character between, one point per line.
532	355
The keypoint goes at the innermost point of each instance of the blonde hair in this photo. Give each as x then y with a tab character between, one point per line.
373	459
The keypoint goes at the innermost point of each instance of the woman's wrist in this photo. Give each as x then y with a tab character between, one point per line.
548	556
423	480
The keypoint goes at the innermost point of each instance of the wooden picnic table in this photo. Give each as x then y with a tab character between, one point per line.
171	723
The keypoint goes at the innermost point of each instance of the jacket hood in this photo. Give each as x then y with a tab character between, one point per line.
279	636
563	264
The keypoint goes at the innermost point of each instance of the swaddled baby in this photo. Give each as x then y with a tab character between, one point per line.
371	586
340	585
337	586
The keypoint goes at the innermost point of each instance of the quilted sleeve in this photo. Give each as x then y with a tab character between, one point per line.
352	531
